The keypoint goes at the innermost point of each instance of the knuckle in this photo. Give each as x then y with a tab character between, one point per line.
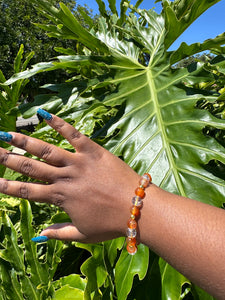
24	191
4	157
46	152
26	167
22	142
59	125
4	186
58	199
75	135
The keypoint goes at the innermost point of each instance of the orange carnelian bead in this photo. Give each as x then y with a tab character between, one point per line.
135	211
132	224
131	240
140	192
131	248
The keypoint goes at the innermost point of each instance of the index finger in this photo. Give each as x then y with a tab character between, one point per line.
79	141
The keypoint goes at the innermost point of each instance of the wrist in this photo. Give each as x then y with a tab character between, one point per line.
132	231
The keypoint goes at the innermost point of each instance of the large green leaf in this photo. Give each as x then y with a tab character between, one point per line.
94	268
186	50
159	127
127	267
38	272
72	286
161	282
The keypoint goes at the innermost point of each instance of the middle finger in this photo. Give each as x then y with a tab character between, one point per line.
51	154
27	166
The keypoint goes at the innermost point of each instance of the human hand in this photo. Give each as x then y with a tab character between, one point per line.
92	186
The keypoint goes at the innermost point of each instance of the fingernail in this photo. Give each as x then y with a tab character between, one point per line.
44	114
5	136
40	239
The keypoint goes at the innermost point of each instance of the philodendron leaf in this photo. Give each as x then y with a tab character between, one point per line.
12	253
111	249
179	15
67	26
10	286
94	268
127	267
159	129
187	50
72	286
72	280
172	281
67	292
38	271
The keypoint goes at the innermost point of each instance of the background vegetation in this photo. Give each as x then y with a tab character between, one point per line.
121	86
17	27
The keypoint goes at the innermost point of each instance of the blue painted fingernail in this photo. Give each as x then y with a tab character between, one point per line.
5	136
44	114
40	239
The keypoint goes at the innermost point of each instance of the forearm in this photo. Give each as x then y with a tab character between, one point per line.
188	234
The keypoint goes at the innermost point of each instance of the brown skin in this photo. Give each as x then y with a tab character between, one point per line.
95	188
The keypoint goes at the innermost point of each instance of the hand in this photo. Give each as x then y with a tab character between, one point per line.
92	186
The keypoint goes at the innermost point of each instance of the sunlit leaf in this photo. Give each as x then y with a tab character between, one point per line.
127	267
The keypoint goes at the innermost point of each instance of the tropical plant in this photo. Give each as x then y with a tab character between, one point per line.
11	96
129	98
26	273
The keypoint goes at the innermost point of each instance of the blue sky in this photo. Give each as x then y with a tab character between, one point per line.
209	24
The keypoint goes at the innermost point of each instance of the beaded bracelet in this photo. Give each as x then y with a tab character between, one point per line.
137	202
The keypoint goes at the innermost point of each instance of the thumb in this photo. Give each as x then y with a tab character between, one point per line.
63	231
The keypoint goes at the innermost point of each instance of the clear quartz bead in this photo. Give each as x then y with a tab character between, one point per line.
145	177
137	201
131	233
144	181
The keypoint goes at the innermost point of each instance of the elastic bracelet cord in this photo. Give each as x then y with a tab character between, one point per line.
137	202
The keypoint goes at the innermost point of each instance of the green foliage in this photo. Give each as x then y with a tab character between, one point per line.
17	26
129	98
10	97
26	273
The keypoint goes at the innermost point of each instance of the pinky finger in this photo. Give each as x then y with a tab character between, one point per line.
63	231
26	190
